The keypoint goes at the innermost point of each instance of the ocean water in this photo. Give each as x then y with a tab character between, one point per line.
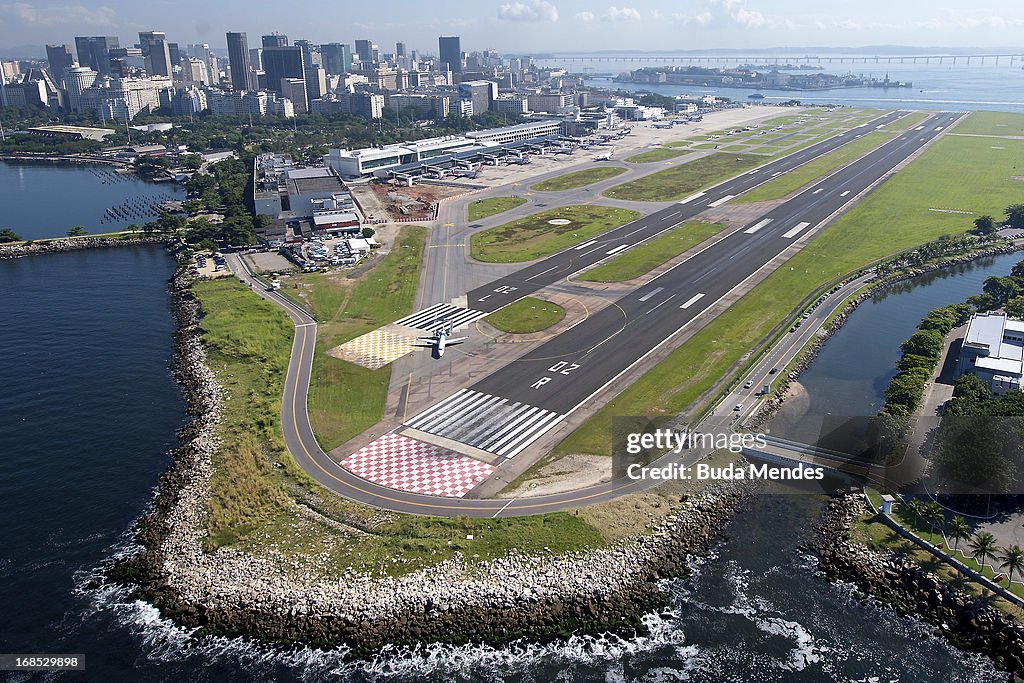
91	409
44	200
950	87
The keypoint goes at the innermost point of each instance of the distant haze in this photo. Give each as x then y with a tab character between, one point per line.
527	26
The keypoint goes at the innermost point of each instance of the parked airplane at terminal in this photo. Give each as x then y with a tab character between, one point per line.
441	339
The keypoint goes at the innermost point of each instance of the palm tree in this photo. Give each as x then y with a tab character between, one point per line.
983	547
959	530
935	516
916	508
1012	560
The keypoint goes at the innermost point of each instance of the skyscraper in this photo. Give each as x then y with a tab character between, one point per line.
400	50
238	58
155	52
275	40
59	58
337	58
94	52
450	52
282	62
364	48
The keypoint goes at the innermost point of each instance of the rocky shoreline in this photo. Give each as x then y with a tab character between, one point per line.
234	593
911	590
774	403
53	246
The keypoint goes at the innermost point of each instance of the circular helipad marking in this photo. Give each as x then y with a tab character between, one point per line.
559	221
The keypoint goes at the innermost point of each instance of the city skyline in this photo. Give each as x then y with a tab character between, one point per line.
524	26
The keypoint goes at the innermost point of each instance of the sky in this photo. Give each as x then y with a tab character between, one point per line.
530	26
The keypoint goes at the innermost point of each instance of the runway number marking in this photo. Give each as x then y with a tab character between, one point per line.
562	367
541	382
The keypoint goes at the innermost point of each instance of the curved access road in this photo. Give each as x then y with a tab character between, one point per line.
301	442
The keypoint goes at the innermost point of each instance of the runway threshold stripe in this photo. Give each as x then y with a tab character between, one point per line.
616	249
795	231
757	226
651	293
692	300
723	200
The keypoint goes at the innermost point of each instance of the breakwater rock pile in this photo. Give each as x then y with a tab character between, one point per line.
959	616
229	591
75	243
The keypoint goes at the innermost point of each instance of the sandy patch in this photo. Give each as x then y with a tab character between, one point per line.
568	473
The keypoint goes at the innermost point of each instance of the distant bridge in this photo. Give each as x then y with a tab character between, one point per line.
990	58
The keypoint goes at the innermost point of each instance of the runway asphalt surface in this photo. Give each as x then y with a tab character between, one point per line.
608	343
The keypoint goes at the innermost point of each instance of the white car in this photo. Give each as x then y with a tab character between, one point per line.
738	407
749	384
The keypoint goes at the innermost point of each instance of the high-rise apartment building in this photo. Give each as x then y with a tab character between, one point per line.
156	53
94	52
449	51
294	89
60	59
238	59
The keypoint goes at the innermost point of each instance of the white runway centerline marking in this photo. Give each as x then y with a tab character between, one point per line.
616	249
692	300
723	200
795	231
541	273
819	190
586	244
757	226
651	293
844	193
692	197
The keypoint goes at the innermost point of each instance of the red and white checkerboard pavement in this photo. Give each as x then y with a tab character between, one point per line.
398	462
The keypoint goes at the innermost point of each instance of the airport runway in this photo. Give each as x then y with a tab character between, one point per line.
600	348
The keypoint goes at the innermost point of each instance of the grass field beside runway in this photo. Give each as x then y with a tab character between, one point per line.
992	123
683	180
535	236
570	181
961	173
654	155
652	253
485	208
344	398
526	316
792	181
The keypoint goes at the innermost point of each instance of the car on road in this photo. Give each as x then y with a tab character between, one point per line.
738	407
749	384
773	371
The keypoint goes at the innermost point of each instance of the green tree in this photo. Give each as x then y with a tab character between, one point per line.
8	235
971	388
959	530
1012	560
1001	289
935	517
1017	270
76	231
984	225
369	232
983	548
1014	215
906	389
916	509
982	302
1015	307
928	343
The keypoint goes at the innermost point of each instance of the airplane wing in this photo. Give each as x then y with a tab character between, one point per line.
457	340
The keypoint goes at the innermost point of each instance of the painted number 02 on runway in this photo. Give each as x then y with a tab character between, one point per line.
504	289
561	367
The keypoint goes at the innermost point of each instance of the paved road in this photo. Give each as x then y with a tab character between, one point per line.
298	432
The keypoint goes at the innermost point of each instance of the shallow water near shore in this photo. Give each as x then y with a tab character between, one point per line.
91	409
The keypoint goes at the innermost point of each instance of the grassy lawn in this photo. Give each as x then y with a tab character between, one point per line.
655	155
679	181
991	123
823	165
571	181
532	237
957	172
344	398
248	341
526	315
651	254
485	208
